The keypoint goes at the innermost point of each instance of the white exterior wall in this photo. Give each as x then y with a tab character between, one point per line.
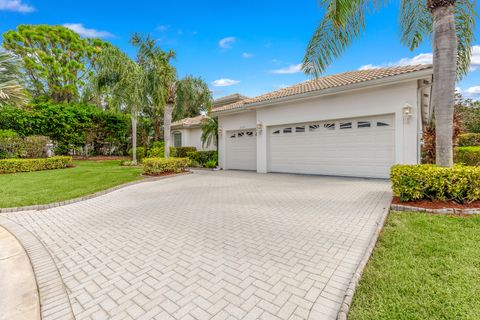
243	120
192	137
390	99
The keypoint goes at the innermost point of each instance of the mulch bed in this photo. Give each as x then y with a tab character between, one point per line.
163	174
427	204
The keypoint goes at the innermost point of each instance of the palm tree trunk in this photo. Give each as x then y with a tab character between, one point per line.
444	77
167	121
134	138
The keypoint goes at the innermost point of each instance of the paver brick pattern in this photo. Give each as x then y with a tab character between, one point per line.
213	245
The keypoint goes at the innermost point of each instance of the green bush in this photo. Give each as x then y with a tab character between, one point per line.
158	144
211	164
156	152
156	166
420	182
10	144
140	153
469	156
181	152
469	139
202	157
27	165
35	147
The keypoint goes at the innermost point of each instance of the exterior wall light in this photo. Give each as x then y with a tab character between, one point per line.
220	131
259	128
407	111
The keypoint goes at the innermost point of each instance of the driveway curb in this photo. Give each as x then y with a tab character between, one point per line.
90	196
54	301
347	300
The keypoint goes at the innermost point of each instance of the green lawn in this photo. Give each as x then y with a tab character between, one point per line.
40	187
424	267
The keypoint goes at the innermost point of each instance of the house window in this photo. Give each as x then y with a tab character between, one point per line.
241	134
276	132
300	129
382	124
314	127
364	124
177	139
345	125
233	135
250	133
287	130
329	126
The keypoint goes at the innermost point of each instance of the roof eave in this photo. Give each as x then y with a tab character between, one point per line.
360	85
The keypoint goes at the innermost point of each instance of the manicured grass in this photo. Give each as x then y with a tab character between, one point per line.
40	187
424	267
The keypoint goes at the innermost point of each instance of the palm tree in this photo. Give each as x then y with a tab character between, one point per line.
210	132
125	82
11	91
452	23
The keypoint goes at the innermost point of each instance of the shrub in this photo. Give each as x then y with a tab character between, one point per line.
27	165
10	144
202	157
140	153
156	152
35	147
158	144
155	166
420	182
469	156
181	152
211	164
469	139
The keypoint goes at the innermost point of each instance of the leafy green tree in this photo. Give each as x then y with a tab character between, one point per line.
210	132
194	98
450	22
11	91
56	61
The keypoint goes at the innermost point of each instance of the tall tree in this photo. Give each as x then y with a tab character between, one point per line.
125	80
56	60
11	91
194	98
452	23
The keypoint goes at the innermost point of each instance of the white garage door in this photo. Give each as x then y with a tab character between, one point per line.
360	147
242	149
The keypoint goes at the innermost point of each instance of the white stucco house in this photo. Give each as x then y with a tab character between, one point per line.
355	123
187	132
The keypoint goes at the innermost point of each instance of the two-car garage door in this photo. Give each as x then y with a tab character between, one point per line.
361	147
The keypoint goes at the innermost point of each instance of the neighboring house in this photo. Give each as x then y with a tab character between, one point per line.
187	132
356	123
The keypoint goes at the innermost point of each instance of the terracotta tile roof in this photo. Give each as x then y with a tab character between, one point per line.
327	82
188	122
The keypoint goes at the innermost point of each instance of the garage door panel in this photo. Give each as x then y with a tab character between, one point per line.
364	152
241	150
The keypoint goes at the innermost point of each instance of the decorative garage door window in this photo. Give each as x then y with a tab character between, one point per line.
243	134
363	124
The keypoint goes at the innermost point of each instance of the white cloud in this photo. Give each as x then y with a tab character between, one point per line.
162	28
294	68
85	32
472	91
16	6
247	55
224	82
227	42
426	58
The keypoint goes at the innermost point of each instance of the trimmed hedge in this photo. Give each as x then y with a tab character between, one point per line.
204	157
429	182
154	166
469	156
469	139
28	165
181	152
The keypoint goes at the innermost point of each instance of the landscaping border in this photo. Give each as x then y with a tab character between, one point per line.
54	300
89	196
347	299
403	207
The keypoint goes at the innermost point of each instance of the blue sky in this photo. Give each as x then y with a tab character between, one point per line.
248	46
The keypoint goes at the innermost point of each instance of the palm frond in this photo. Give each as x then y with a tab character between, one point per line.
209	132
415	22
344	21
11	91
465	20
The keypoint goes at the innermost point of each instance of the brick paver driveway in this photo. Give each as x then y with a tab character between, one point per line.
213	245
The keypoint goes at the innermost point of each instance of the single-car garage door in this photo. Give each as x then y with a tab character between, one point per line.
242	149
359	147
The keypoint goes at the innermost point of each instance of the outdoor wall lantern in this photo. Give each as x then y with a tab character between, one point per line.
220	131
407	111
259	128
